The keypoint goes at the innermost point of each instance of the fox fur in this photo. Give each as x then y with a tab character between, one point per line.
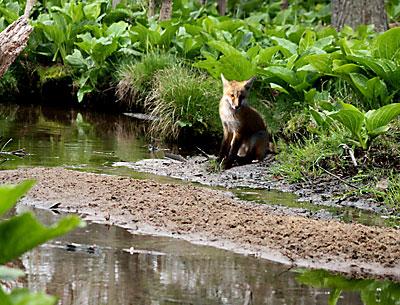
245	132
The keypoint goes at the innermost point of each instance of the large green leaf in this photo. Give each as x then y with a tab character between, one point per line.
224	48
307	41
377	120
287	47
9	194
360	81
266	55
351	118
321	62
237	67
92	10
286	75
23	232
387	45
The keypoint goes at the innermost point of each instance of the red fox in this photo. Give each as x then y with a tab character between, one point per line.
245	135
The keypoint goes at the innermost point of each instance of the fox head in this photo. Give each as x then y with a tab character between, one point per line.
235	92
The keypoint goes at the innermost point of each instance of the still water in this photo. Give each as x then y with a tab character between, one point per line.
102	264
107	265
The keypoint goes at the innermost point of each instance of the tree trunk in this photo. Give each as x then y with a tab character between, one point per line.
14	39
222	7
166	10
152	8
356	12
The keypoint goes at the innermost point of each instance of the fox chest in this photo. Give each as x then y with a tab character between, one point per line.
229	120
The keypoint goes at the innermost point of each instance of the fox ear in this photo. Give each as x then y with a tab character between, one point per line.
248	83
224	81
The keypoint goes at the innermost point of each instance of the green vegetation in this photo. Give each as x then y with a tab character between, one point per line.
371	291
330	97
135	79
181	99
20	234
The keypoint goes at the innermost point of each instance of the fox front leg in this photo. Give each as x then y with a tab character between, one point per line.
236	142
225	145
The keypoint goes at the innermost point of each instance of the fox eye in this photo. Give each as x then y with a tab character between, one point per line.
232	95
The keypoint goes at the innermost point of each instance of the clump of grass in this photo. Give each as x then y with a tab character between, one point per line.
301	160
134	78
183	99
392	198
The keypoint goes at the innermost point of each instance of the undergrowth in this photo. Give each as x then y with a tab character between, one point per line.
183	99
305	159
134	78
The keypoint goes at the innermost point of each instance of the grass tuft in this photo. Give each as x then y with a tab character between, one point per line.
184	100
302	160
134	78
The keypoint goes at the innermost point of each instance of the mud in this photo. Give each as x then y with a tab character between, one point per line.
213	217
324	191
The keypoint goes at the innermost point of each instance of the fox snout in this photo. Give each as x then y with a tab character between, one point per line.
234	102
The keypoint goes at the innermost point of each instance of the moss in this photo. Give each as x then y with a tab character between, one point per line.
52	73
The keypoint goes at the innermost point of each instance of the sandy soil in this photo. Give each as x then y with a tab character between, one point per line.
214	217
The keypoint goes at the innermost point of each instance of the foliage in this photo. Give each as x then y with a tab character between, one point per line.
302	160
134	78
21	233
182	99
371	291
364	127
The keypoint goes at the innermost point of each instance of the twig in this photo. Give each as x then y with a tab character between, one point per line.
335	176
351	153
204	153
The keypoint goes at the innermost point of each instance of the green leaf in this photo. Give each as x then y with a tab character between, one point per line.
10	194
387	45
9	274
340	68
351	118
287	47
286	75
93	10
23	232
237	67
334	296
24	297
376	120
321	62
265	56
360	81
307	41
117	29
76	59
224	48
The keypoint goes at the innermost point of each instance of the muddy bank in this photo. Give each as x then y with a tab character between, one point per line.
213	217
325	191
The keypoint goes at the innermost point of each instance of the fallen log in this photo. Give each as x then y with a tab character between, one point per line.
14	39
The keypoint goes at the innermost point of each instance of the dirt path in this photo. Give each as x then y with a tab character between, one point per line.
212	217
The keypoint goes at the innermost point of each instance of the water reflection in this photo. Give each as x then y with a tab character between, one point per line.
56	137
177	273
